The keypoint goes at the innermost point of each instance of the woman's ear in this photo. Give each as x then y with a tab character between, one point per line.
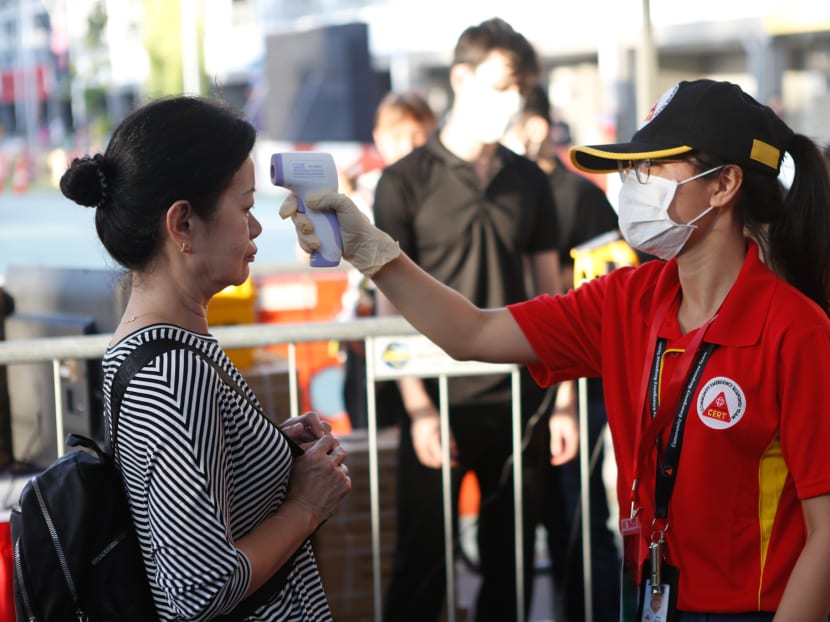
179	222
729	182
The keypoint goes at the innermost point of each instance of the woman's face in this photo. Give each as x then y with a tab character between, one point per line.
395	140
227	241
691	198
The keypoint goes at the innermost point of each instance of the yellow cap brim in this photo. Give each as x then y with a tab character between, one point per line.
606	158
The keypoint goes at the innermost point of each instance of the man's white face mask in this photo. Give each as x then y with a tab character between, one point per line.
491	112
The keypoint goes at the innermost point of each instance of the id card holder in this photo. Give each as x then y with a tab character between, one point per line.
658	605
631	538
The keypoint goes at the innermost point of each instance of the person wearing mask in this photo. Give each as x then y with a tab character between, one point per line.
403	121
584	213
472	214
219	500
714	361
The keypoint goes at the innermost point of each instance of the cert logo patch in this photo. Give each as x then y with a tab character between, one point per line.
661	103
721	403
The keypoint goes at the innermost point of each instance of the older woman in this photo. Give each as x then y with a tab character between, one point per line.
219	503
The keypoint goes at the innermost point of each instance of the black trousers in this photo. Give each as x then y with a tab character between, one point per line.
417	589
562	518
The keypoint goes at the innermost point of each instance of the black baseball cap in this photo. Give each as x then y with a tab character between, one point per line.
716	118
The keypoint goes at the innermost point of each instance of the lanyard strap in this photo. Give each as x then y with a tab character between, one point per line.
661	415
667	467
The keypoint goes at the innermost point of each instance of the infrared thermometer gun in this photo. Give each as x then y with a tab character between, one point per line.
304	171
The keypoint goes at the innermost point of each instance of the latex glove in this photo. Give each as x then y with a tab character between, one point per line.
365	246
425	428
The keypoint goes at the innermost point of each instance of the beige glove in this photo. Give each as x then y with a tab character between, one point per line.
365	246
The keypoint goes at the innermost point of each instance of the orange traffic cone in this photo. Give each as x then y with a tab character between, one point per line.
20	175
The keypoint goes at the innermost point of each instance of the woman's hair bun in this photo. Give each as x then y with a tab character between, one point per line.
85	182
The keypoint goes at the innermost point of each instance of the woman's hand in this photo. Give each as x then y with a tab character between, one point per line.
320	478
306	428
318	483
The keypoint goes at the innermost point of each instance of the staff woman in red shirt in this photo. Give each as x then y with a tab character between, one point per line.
714	361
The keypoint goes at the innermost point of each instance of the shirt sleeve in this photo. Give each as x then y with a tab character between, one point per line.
565	332
197	564
804	394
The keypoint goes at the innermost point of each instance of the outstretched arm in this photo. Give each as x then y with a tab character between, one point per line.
457	326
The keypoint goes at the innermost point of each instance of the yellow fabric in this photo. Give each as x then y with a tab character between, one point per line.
597	160
772	473
765	153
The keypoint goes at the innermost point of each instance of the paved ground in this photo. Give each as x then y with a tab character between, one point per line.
467	581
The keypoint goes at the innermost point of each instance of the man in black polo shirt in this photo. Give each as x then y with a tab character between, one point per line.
474	215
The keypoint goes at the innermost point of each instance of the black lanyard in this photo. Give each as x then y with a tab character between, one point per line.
668	462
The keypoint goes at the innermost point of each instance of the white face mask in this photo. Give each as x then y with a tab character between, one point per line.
644	215
492	112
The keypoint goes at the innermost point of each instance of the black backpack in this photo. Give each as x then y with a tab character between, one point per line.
76	554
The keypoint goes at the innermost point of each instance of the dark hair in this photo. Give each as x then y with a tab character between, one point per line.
409	104
179	148
537	104
477	42
791	226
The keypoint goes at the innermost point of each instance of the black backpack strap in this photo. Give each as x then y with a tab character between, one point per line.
132	364
272	586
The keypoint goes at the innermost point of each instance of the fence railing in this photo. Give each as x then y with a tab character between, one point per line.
376	334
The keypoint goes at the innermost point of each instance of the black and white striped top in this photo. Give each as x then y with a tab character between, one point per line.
202	468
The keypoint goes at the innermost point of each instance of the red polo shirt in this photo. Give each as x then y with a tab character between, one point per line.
756	432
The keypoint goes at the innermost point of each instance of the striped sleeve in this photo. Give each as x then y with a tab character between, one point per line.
181	451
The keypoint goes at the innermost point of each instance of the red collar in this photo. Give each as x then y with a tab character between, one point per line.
743	313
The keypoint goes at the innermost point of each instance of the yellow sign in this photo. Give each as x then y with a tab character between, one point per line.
600	255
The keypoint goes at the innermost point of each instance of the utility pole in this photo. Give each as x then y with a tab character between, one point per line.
190	46
646	78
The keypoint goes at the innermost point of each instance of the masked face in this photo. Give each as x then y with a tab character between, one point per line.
492	112
644	215
488	98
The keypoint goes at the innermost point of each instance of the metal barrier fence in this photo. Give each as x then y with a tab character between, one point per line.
379	334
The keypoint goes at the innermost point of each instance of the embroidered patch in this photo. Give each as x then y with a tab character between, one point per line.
661	103
721	403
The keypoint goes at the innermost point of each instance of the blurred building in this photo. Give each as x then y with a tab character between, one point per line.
66	63
280	57
26	63
593	52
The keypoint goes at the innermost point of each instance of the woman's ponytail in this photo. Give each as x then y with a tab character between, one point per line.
799	239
